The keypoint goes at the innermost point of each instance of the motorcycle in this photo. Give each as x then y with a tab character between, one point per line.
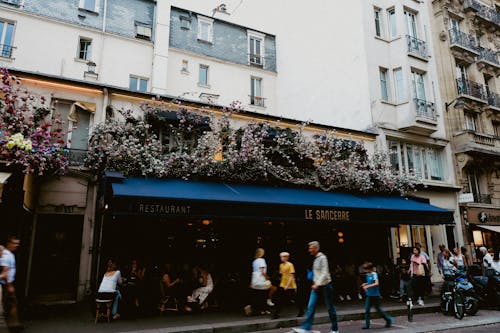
458	297
487	286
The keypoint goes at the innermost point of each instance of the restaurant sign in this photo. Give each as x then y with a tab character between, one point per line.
327	215
483	215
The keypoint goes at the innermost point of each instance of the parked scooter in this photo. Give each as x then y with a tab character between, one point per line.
487	286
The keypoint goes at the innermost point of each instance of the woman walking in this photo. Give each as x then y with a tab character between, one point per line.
417	273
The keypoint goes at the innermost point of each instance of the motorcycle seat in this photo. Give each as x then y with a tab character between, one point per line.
482	280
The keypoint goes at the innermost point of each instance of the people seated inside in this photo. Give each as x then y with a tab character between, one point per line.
170	289
109	286
205	287
135	278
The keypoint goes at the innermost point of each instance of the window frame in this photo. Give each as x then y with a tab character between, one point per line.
256	36
392	26
143	26
3	34
378	22
256	99
401	95
207	78
384	84
88	53
210	22
471	121
82	6
138	85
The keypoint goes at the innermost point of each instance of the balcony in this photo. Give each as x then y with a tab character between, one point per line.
463	46
11	2
494	100
6	51
482	198
425	109
472	90
473	142
472	5
485	15
256	60
417	47
488	60
257	101
76	157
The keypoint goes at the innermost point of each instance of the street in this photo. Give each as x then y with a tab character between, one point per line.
484	321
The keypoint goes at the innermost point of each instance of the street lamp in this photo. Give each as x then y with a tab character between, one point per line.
459	104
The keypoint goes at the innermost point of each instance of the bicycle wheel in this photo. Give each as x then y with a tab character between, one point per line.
458	304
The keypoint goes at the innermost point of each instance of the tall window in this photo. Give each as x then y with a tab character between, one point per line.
255	50
454	24
384	85
417	80
411	24
85	49
425	162
496	129
378	21
6	39
400	85
203	75
138	84
205	29
393	28
470	121
90	5
256	91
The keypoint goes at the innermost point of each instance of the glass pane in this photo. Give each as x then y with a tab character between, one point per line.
400	85
8	35
425	163
252	46
393	155
132	83
392	23
418	163
203	75
409	156
403	158
435	164
383	85
205	27
257	46
143	85
420	86
258	91
377	23
89	4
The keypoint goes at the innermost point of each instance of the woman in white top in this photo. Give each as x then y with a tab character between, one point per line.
260	284
458	259
109	284
206	287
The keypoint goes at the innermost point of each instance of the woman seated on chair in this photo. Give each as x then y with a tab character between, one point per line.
109	285
206	286
170	286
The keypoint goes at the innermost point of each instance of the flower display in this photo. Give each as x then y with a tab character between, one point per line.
186	144
28	138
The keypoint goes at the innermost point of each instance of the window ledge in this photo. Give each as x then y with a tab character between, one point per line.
207	86
83	61
387	40
88	11
204	41
7	59
394	103
262	107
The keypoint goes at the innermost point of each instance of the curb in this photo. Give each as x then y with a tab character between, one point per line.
261	324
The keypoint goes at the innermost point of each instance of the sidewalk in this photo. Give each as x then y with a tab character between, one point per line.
79	319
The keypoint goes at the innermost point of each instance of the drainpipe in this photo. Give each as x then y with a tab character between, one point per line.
105	101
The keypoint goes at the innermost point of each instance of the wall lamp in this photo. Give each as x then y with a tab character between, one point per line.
459	104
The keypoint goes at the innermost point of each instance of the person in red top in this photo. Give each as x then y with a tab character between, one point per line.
417	270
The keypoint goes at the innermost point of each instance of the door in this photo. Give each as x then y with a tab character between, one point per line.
56	257
411	24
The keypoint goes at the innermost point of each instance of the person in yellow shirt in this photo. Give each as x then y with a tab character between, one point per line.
287	291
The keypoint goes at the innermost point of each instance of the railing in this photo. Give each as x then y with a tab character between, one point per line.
6	51
482	198
466	87
256	59
416	46
488	55
425	109
77	156
472	4
489	14
257	100
12	2
483	139
494	99
462	39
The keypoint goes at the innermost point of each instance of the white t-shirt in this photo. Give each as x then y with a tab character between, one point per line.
496	265
9	260
259	263
108	284
487	260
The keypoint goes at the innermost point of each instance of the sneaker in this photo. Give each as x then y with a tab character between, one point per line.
341	297
248	310
269	302
347	297
409	303
360	297
116	316
420	302
300	330
389	323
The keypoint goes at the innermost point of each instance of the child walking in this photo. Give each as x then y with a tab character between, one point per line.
372	291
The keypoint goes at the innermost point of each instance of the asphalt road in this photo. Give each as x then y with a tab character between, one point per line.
433	322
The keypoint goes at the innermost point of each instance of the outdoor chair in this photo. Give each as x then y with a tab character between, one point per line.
103	304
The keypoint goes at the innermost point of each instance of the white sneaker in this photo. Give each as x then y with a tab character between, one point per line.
360	297
420	302
341	297
334	331
347	297
409	303
269	302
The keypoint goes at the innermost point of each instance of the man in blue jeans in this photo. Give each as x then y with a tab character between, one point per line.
322	285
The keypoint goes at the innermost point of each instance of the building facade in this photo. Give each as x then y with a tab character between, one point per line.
465	34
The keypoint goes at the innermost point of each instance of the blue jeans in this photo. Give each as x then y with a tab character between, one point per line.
375	302
327	292
118	297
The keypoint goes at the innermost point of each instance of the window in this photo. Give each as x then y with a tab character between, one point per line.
384	85
203	75
378	21
256	91
470	121
417	80
496	129
185	67
400	85
411	24
393	28
425	162
90	5
76	122
478	186
6	39
143	31
454	24
185	22
138	84
205	29
85	49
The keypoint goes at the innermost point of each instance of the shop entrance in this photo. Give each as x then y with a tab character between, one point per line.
56	257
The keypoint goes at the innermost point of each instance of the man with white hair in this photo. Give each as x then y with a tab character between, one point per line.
322	284
487	259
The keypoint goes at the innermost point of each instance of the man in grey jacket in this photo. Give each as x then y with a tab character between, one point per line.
322	284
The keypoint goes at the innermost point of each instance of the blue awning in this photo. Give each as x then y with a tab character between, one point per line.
196	199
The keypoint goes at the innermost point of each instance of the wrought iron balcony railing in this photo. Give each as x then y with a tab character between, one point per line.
488	55
463	39
12	2
425	109
6	51
257	100
470	88
494	99
482	198
472	4
76	157
417	46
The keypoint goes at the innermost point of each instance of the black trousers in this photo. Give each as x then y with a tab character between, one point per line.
287	296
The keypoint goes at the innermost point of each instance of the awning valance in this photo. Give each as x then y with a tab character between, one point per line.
494	228
194	199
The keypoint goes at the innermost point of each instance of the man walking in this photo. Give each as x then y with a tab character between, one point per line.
322	285
8	260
